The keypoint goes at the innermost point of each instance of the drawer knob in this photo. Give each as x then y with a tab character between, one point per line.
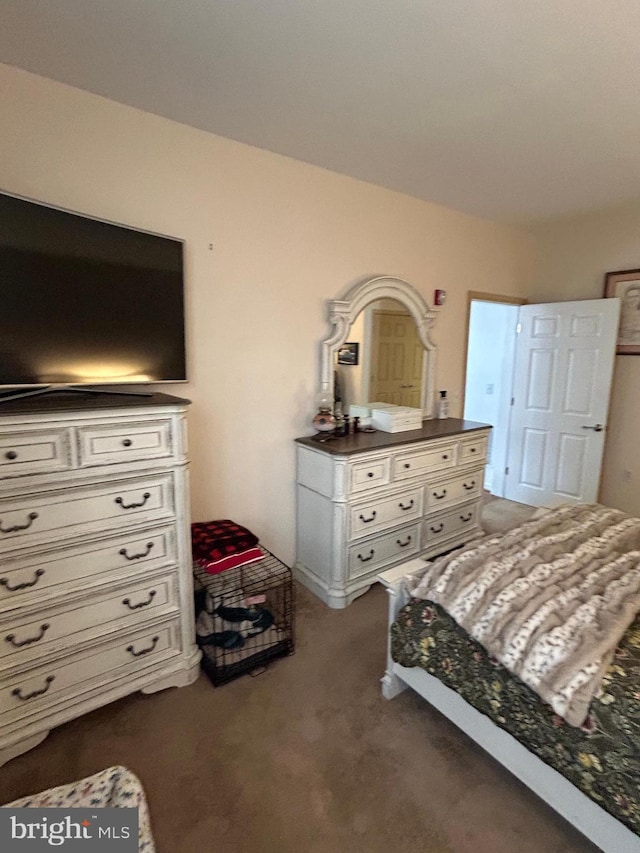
30	519
407	464
145	498
132	651
445	455
126	442
472	449
438	529
18	691
465	518
11	455
370	474
11	638
439	497
366	559
123	553
367	520
146	603
404	544
408	506
469	486
5	582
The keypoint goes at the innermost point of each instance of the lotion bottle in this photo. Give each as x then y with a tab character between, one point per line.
443	405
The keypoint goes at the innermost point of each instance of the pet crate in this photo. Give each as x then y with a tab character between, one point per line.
244	617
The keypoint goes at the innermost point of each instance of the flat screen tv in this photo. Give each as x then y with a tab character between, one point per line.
86	302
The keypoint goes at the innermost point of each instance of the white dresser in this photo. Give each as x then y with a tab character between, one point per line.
368	501
95	557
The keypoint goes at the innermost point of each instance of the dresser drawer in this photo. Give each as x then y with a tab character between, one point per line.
419	462
471	450
44	686
75	568
365	475
50	516
27	638
447	524
366	518
379	550
104	445
36	452
444	493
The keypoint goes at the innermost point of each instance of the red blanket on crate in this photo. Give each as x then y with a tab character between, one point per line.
223	544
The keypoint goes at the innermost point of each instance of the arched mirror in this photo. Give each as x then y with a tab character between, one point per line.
380	349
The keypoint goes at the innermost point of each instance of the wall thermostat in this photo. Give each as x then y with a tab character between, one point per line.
439	297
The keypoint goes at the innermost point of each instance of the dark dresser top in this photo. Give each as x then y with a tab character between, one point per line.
64	400
362	442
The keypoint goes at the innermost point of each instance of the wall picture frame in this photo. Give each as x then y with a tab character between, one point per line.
349	353
625	284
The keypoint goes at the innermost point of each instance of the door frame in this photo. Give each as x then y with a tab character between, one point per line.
479	296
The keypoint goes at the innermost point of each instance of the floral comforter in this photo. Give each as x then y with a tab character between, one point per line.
601	758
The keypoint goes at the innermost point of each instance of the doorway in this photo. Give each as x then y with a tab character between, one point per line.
552	364
491	340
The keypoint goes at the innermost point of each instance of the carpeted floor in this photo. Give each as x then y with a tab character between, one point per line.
306	757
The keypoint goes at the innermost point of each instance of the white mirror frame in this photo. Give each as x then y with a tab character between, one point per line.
342	313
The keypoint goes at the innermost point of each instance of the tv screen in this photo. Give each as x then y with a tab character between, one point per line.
84	301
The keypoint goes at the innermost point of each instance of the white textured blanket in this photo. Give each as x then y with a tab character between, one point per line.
550	599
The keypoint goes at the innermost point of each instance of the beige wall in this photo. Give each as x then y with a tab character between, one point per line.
572	258
286	237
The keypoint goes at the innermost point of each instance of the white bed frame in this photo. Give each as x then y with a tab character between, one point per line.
590	819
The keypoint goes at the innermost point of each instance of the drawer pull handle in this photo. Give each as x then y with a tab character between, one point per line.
18	691
469	486
465	518
370	474
404	544
472	450
32	517
367	520
366	559
145	498
126	442
123	552
405	508
11	638
146	603
146	651
438	529
11	455
440	497
5	582
445	455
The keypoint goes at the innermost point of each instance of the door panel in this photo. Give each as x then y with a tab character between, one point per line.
400	354
563	369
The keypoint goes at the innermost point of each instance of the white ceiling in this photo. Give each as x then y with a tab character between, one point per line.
515	110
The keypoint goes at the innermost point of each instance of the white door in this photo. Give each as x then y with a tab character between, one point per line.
564	364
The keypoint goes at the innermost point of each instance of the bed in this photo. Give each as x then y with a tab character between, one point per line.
589	773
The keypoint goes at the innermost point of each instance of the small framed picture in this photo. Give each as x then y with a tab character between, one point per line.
626	285
348	353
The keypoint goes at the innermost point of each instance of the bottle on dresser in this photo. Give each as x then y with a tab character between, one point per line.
443	405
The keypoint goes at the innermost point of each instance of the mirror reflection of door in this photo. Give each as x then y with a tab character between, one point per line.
392	358
396	366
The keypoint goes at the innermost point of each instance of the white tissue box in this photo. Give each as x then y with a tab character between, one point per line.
396	418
